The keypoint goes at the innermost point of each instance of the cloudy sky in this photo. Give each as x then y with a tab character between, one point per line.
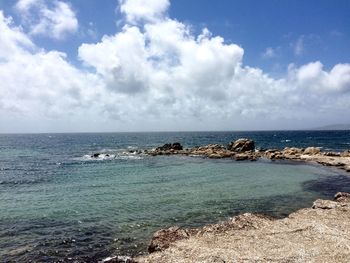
161	65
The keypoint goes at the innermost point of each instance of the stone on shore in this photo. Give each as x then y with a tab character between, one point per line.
312	150
164	237
241	145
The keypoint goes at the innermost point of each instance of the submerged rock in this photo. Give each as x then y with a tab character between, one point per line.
241	145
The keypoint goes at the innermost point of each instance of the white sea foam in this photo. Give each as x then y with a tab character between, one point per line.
286	140
106	157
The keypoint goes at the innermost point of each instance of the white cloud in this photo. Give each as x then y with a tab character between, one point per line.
160	76
299	46
11	38
25	5
54	19
313	76
269	53
143	10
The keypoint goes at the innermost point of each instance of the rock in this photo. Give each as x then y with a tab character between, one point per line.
312	150
307	235
292	151
215	156
324	204
241	157
345	154
95	155
241	145
347	168
342	197
331	154
164	237
170	146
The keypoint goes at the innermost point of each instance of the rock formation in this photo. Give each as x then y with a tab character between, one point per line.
241	145
244	149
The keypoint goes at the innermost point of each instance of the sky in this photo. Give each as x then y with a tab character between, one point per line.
161	65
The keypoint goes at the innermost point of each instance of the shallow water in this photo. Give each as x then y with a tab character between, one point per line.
56	203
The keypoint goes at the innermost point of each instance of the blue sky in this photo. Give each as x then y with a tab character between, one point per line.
322	27
264	52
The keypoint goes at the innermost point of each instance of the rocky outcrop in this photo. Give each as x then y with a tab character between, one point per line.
317	234
312	150
176	146
214	151
244	149
241	145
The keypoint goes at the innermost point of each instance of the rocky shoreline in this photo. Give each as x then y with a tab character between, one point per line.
317	234
244	149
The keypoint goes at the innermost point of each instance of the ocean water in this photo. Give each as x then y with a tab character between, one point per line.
59	205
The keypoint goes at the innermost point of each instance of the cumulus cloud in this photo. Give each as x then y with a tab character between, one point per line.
54	19
143	10
160	73
36	82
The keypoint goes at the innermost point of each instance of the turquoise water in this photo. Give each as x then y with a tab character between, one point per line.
57	204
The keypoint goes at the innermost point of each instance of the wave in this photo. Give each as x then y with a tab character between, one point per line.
123	155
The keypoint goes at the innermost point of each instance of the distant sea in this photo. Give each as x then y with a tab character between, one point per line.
57	204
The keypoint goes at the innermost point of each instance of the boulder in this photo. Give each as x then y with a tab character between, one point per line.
345	154
342	197
170	146
312	150
292	151
241	145
324	204
164	237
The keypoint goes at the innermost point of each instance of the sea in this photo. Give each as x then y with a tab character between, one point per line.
58	204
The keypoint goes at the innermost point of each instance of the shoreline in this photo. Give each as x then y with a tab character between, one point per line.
316	234
320	233
244	150
168	245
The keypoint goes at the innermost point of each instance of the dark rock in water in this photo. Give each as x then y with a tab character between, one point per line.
241	145
95	155
176	146
164	237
